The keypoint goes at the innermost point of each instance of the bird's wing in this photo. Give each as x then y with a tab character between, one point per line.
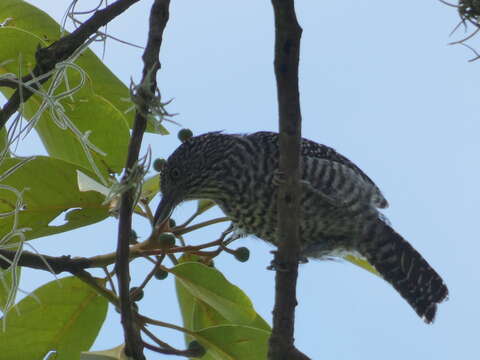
339	184
338	174
341	168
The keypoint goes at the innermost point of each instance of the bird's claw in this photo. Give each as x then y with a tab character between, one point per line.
275	266
302	260
278	266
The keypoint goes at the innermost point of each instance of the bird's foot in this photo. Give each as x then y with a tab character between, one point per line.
302	260
276	266
280	266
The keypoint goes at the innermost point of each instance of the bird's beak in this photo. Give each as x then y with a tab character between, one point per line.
164	209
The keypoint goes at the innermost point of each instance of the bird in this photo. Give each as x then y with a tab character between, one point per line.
339	204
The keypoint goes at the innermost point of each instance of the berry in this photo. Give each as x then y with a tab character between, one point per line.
242	254
196	349
184	135
161	274
158	164
136	294
166	240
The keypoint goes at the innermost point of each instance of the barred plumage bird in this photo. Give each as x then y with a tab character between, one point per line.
339	205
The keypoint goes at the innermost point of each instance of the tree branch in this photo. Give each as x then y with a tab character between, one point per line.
59	51
287	51
146	91
67	263
39	262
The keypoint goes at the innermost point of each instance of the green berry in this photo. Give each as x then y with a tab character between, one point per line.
196	349
136	294
242	254
159	164
172	223
133	238
184	135
166	240
161	274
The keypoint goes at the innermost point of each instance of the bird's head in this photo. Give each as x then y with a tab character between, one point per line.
193	171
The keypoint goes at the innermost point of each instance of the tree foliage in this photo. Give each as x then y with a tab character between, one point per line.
83	114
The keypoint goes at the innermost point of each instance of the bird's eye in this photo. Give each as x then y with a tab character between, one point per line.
175	174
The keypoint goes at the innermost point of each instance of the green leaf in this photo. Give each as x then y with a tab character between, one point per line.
49	188
203	205
210	286
117	353
151	187
7	278
198	314
99	107
234	342
63	316
3	141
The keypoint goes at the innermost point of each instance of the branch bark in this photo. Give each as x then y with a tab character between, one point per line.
59	51
287	52
158	20
36	261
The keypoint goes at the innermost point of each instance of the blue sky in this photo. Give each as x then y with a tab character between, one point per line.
378	83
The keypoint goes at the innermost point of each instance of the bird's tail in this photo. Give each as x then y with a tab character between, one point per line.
403	267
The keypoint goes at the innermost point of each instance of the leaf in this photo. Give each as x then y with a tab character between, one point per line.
203	205
198	315
86	183
151	187
3	140
234	342
117	353
364	264
6	284
49	188
210	286
99	107
63	316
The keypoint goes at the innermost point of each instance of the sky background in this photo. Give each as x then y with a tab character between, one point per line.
379	84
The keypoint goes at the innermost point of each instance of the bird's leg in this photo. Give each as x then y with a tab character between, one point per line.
302	259
275	266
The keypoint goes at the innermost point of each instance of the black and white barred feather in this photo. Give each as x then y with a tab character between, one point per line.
339	205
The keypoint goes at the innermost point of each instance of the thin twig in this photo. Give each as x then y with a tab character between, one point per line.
109	279
156	339
152	272
146	320
184	230
181	249
59	264
159	14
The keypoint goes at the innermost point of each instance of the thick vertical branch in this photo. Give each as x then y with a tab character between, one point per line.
287	51
158	20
